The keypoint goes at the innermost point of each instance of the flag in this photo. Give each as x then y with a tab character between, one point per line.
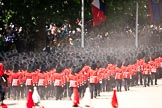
155	10
98	11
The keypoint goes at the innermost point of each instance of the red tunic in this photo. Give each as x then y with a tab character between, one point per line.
1	69
15	79
58	79
41	79
73	79
21	78
9	73
146	70
29	79
118	76
93	77
126	75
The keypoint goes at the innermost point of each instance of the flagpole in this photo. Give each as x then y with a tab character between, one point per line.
136	40
82	26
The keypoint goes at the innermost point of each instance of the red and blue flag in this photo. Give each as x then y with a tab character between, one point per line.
98	11
155	10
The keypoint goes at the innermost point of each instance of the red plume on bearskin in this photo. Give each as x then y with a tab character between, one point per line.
75	97
30	102
114	101
3	106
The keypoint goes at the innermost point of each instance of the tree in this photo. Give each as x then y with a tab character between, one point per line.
33	15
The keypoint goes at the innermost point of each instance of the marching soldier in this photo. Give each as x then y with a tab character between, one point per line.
73	82
126	76
15	85
80	83
159	65
134	75
100	73
63	74
154	73
107	80
52	80
21	82
35	77
93	81
146	74
84	74
49	87
28	81
118	78
42	84
112	76
139	69
9	73
3	84
58	85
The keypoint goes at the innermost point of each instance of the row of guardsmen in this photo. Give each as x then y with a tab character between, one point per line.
59	85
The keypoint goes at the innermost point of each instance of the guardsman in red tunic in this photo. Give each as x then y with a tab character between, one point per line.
9	73
159	63
118	78
22	83
58	83
112	71
126	76
73	82
42	84
101	82
134	75
64	85
35	77
28	81
51	85
107	80
93	83
146	74
15	85
139	69
82	86
3	83
154	72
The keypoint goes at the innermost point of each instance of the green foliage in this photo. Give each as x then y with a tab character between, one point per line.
34	14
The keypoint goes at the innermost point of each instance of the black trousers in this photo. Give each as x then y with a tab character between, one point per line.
139	78
9	90
22	91
159	72
146	80
108	85
154	76
119	84
112	82
2	93
93	90
126	83
42	92
16	92
59	91
134	80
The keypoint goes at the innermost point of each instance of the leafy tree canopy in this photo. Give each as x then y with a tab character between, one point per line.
34	14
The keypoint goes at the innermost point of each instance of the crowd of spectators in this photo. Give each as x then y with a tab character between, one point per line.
56	33
102	46
16	37
9	38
